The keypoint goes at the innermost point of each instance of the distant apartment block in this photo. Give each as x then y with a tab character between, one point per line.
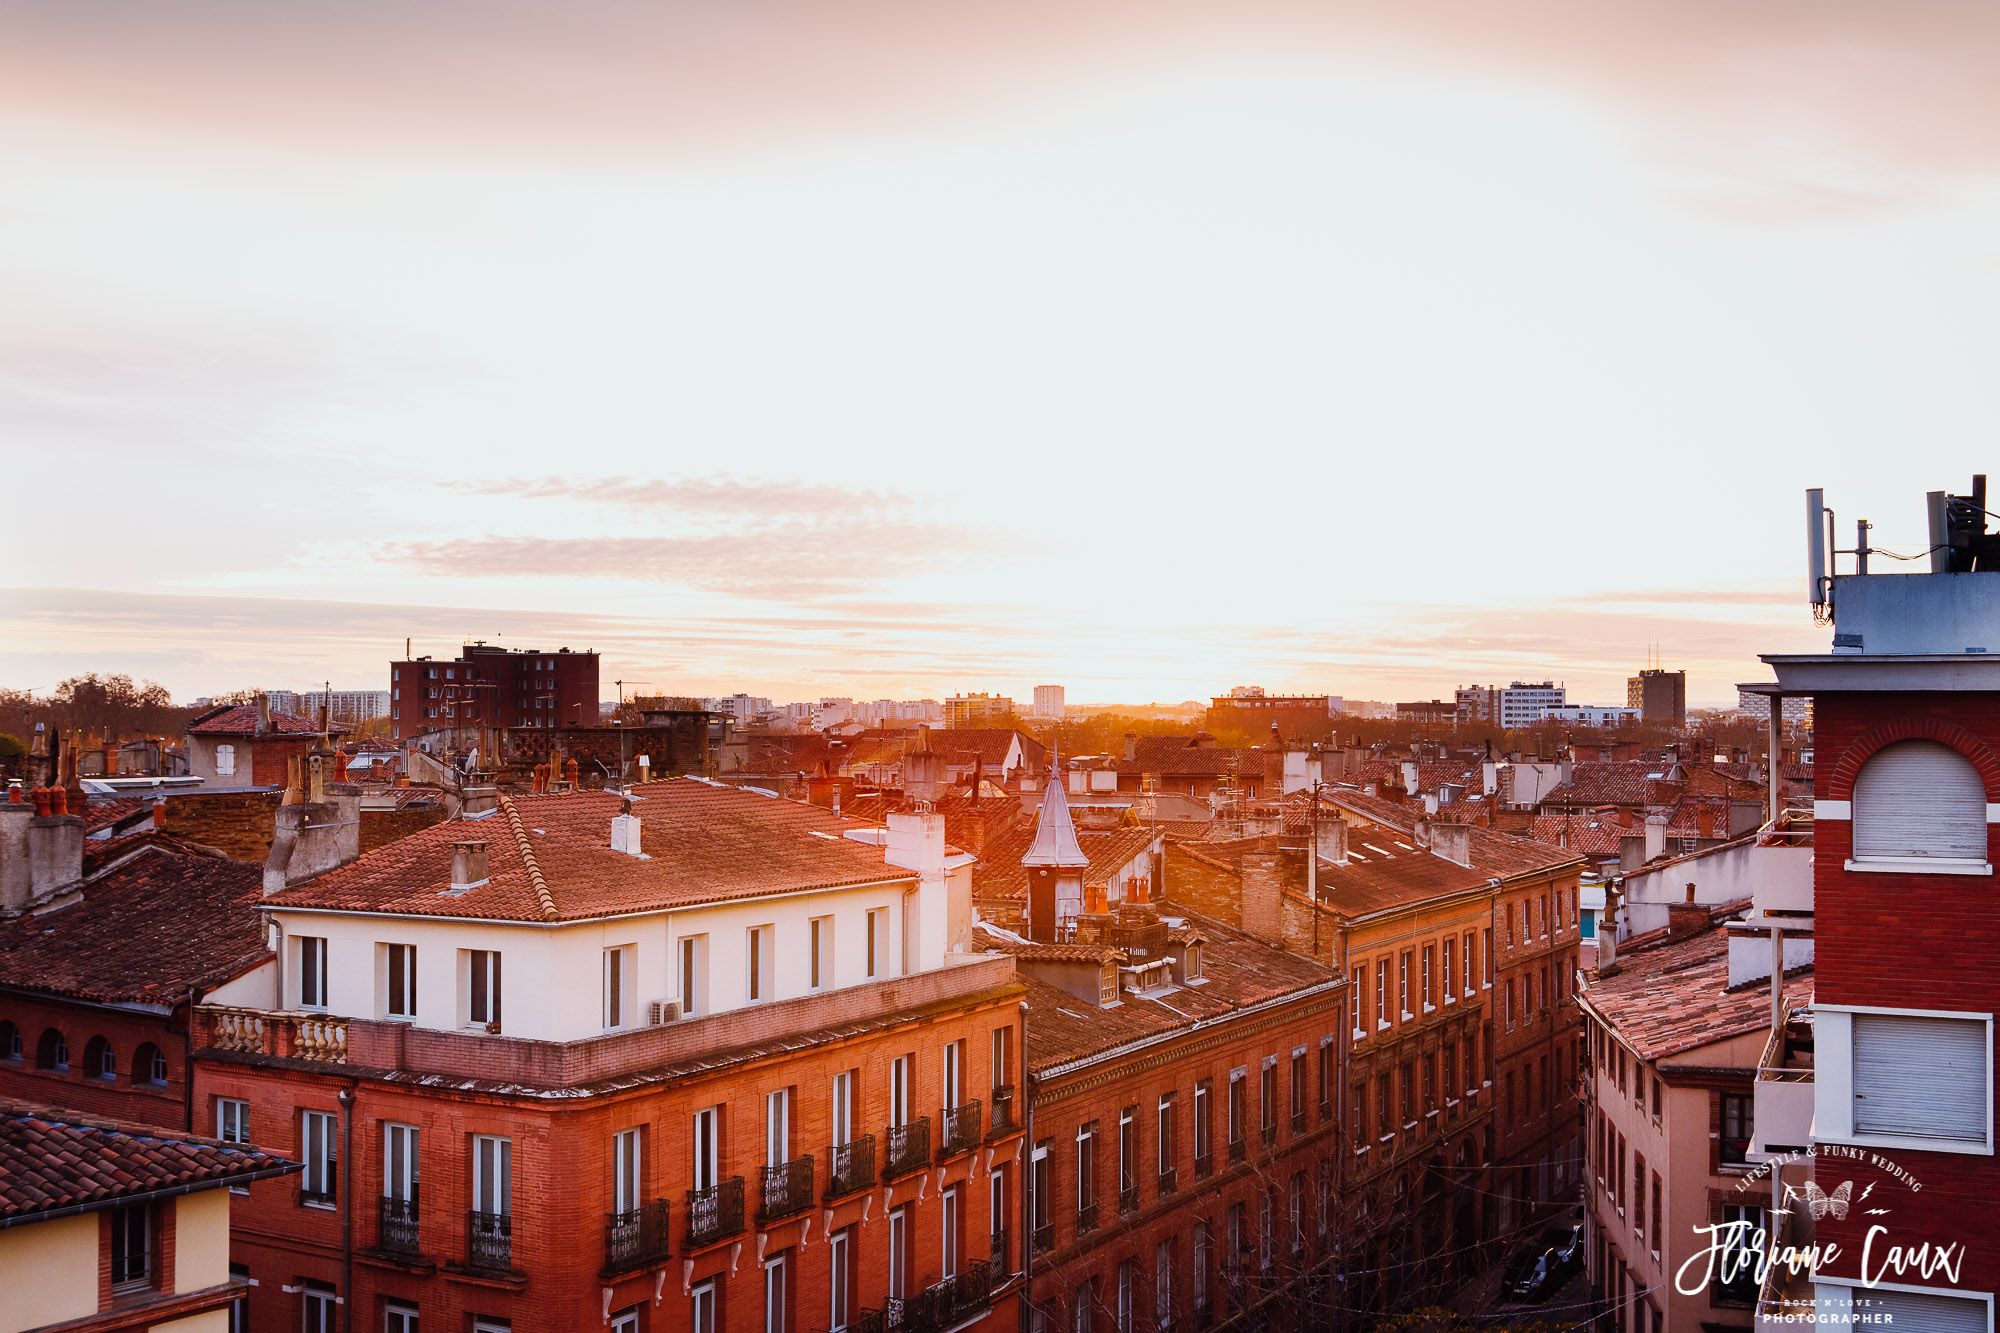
1521	704
1660	696
347	705
1753	703
1249	708
1603	716
977	710
1049	702
493	687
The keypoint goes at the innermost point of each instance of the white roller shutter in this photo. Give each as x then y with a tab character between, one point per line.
1915	1312
1920	1077
1919	798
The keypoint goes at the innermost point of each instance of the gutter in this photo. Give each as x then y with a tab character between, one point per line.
165	1192
1199	1025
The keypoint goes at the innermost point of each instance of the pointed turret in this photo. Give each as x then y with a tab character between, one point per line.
1055	842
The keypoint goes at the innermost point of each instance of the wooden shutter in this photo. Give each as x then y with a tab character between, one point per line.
1924	1077
1919	799
1914	1312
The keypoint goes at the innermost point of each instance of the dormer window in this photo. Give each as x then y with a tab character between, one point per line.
1191	970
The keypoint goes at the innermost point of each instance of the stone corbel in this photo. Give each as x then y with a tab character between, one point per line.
923	1188
806	1231
867	1209
607	1305
687	1277
736	1253
659	1285
763	1239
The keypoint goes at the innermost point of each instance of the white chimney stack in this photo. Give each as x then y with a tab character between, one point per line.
625	831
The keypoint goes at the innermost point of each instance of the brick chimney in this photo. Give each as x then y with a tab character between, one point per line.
263	702
1262	901
1687	918
468	865
314	837
41	851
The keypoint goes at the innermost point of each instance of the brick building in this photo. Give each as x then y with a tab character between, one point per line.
740	1077
1906	744
250	745
489	687
1182	1085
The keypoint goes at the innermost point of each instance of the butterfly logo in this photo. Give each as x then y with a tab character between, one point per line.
1823	1203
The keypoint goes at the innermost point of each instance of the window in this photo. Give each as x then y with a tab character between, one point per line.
132	1247
1403	985
400	980
1450	947
1125	1297
1920	1077
482	988
840	1260
1741	1246
399	1165
899	1252
149	1065
1267	1207
1003	1057
820	963
239	1310
900	1071
312	972
1203	1145
232	1120
878	921
701	1309
1735	1127
704	1144
778	1126
1925	1310
1086	1168
52	1051
626	1320
951	1227
1655	1233
1038	1190
1357	982
1267	1101
842	1110
98	1059
317	1301
1381	993
1639	1194
10	1041
954	1074
1163	1284
1086	1301
1128	1159
320	1146
694	975
997	1214
775	1303
403	1319
1202	1244
626	1161
1919	800
617	987
492	1175
1236	1112
757	964
1486	953
1430	976
1165	1131
1469	965
225	761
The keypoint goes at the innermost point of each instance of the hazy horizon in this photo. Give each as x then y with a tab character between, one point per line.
874	349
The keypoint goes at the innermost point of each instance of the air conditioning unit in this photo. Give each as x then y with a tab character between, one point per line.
663	1011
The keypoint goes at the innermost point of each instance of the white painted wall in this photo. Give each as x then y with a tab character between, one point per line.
1775	878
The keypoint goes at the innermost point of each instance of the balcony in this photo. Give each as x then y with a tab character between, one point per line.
946	1303
1204	1165
788	1189
715	1213
1043	1238
1785	1300
960	1130
1003	1112
1782	1098
636	1238
1169	1181
1128	1199
298	1035
853	1168
1270	1136
1299	1121
1086	1218
909	1148
489	1242
1001	1260
1326	1109
1239	1150
396	1227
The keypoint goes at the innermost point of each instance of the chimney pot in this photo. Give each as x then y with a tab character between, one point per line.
468	864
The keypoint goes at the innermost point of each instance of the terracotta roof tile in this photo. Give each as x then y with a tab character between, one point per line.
241	720
1675	997
1179	755
54	1161
146	932
702	843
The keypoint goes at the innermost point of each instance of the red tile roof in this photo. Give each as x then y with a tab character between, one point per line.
1493	852
1592	832
1182	757
101	815
1000	874
54	1162
551	859
241	720
1675	996
146	932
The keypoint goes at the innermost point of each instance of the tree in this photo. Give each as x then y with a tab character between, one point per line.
11	746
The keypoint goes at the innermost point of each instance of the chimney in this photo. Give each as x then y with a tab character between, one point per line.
1631	852
1489	776
943	903
1333	840
1131	747
1607	930
1686	918
1453	842
468	866
625	830
263	712
314	837
1262	902
110	759
1410	777
41	851
1565	765
1656	836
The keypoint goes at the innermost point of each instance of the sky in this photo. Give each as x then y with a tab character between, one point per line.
875	348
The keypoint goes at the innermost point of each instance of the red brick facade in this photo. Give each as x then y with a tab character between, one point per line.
131	1094
1537	1047
493	687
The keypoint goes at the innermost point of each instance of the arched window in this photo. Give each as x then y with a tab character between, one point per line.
148	1065
1919	800
10	1040
52	1052
98	1060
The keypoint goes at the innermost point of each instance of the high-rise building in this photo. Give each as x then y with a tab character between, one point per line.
978	710
1659	695
347	705
492	687
1049	702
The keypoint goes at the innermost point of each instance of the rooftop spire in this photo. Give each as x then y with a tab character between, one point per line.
1055	841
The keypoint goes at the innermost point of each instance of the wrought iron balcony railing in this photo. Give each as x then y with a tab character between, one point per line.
853	1167
960	1129
715	1213
1270	1136
1003	1111
1299	1121
1001	1259
1169	1181
909	1147
1128	1199
1238	1150
489	1241
946	1303
396	1227
1204	1165
1086	1217
788	1189
1043	1237
636	1238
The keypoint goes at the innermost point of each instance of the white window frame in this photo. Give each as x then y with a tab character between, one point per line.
691	975
225	760
619	987
778	1126
493	1174
319	1149
840	1283
841	1108
628	1163
777	1293
232	1120
951	1225
701	1307
399	961
397	1318
486	963
758	973
318	1309
1833	1087
402	1161
704	1144
312	959
626	1321
820	954
901	1070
